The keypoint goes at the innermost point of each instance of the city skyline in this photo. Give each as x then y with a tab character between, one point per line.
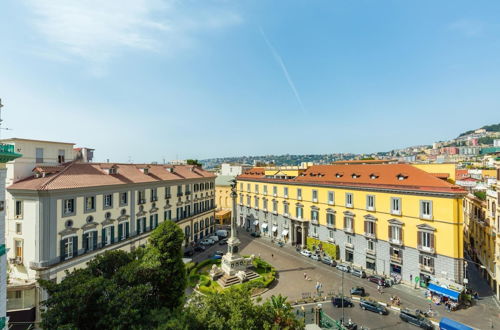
148	80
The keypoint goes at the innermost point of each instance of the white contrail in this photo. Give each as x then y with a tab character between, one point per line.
278	59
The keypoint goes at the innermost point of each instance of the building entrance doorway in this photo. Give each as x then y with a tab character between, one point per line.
298	235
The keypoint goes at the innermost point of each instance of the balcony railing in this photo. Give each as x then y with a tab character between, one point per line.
397	259
426	249
395	241
179	194
425	268
348	230
167	196
315	222
370	251
349	245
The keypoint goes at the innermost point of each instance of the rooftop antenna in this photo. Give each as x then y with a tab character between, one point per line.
1	128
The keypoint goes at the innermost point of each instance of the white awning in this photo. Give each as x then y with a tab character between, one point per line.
256	222
275	228
264	225
284	233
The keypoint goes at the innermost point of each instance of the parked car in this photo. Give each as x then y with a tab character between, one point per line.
188	253
358	291
315	257
219	252
343	267
328	261
339	301
358	272
306	253
216	256
373	306
221	233
199	248
255	234
214	238
223	242
206	241
415	319
377	279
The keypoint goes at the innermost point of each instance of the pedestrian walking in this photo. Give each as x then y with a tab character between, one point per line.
272	255
305	276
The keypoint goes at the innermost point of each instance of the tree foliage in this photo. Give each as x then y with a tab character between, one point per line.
193	162
121	290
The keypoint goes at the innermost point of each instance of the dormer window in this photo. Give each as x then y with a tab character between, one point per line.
339	175
373	176
355	175
112	170
402	176
144	169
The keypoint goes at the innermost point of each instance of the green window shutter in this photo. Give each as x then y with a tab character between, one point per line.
151	220
94	240
126	229
144	224
62	252
112	234
3	250
85	242
120	231
75	246
103	237
138	226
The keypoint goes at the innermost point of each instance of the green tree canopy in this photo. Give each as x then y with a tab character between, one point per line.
121	290
193	162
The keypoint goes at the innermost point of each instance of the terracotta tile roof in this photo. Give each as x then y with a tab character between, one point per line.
83	175
441	175
385	176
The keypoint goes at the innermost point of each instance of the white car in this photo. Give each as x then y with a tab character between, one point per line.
343	267
315	257
214	238
207	241
306	253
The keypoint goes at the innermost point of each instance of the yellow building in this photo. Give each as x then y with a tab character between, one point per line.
481	222
223	198
392	219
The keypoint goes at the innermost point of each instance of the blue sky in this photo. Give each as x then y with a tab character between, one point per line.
147	80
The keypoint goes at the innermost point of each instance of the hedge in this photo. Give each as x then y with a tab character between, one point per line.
331	249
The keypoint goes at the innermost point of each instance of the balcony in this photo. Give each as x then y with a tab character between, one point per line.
349	230
188	193
396	259
395	241
426	249
7	153
141	201
179	194
315	222
349	245
427	269
370	235
315	200
371	252
167	196
330	225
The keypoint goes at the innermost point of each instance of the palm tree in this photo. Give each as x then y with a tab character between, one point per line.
282	313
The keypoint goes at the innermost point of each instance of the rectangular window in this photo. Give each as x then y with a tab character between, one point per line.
256	202
264	201
426	241
265	190
395	234
275	191
18	209
89	240
141	197
60	156
331	198
179	190
256	188
19	228
348	224
241	187
249	202
370	228
248	187
68	206
299	211
426	209
108	200
39	155
19	248
315	196
299	193
370	202
285	209
330	234
371	245
285	192
348	200
330	219
168	193
275	206
426	261
154	194
241	199
89	203
314	215
396	205
123	198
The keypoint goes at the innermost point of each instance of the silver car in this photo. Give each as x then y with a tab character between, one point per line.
316	257
343	267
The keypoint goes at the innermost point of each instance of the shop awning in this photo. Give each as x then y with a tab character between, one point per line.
256	222
264	225
284	232
274	228
443	291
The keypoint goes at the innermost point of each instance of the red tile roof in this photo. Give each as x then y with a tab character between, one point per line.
83	175
384	176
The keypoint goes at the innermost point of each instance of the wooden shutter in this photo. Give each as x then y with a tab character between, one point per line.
366	227
120	231
432	240
85	241
62	252
75	246
112	234
374	229
127	230
390	232
419	238
103	237
150	222
94	240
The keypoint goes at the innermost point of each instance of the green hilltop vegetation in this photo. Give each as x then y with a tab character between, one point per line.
488	128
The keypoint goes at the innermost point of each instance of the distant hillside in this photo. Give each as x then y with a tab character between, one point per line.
488	128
